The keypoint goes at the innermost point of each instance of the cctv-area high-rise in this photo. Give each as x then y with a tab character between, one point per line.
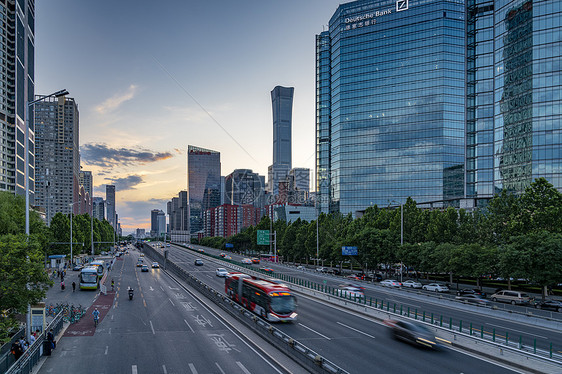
390	104
282	108
17	61
203	184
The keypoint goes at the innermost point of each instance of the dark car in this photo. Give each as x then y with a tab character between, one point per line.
412	333
144	268
77	267
471	291
549	304
198	262
473	299
268	270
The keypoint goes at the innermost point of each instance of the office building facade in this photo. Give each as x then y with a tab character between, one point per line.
204	184
57	158
99	208
514	109
390	119
17	22
87	181
282	109
244	187
178	217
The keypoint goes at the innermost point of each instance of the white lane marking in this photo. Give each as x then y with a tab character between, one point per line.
151	289
523	332
152	327
242	367
222	371
193	331
164	369
162	288
112	317
134	369
308	328
192	367
171	302
110	331
174	288
359	331
106	349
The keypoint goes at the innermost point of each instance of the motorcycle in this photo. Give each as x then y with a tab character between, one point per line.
130	294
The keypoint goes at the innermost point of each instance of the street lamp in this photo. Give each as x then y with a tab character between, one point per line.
71	205
26	149
401	234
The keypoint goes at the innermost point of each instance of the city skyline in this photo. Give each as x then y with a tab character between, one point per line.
145	94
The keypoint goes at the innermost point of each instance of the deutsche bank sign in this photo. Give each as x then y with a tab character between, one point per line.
349	251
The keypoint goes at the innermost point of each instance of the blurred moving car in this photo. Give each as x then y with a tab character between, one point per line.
355	285
227	257
255	260
513	297
390	283
221	272
471	291
436	287
473	299
549	304
412	284
155	265
321	269
139	264
350	292
144	268
222	255
268	270
198	262
300	267
246	261
375	276
412	333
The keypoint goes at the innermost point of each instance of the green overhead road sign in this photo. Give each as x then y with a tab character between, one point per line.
263	237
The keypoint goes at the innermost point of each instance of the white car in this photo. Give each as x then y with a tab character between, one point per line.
300	267
247	261
321	270
390	283
351	292
412	284
436	287
221	272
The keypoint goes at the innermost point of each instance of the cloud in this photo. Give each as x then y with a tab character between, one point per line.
116	100
178	151
127	183
100	154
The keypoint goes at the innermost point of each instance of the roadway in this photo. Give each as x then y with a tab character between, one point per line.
351	341
441	306
164	329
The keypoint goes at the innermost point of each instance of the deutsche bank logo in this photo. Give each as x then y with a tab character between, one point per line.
401	5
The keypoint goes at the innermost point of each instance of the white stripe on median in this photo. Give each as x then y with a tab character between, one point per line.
134	369
242	367
192	367
308	328
152	327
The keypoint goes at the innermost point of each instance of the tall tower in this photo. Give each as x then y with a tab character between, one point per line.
110	205
17	80
203	184
57	156
282	108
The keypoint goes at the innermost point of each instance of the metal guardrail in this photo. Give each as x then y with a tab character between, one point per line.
33	354
310	359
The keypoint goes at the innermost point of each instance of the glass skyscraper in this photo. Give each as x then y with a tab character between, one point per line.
514	130
203	184
390	83
282	108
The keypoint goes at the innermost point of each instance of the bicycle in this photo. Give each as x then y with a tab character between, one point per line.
96	321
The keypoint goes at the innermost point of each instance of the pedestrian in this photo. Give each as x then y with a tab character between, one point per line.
51	339
16	350
62	285
112	285
73	286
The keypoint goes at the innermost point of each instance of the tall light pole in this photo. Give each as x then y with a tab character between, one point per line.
26	175
26	150
401	234
71	205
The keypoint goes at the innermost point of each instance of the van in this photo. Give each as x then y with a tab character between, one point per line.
513	297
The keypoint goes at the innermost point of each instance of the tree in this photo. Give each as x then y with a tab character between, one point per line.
541	207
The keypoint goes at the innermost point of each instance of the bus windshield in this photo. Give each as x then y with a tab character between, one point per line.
283	304
89	277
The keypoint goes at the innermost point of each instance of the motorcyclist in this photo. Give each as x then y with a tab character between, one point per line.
96	314
130	291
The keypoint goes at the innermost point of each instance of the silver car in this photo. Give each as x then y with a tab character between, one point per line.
436	287
221	272
412	284
390	283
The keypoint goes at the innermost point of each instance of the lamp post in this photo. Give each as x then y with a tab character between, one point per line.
26	183
71	205
401	234
26	150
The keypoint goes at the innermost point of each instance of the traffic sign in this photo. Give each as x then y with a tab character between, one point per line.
263	237
349	251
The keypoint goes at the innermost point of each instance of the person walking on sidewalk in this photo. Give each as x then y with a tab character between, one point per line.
112	285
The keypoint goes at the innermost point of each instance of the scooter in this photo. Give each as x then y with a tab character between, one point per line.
130	294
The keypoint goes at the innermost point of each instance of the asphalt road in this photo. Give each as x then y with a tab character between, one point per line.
430	303
355	343
164	329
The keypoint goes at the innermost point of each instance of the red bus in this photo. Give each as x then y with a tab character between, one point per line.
274	302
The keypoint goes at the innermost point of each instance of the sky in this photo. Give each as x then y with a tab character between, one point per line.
152	77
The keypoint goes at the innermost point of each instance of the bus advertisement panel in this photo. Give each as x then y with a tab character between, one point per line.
89	279
274	302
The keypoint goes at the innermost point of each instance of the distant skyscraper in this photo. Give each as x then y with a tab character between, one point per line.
110	205
87	181
160	224
99	208
204	184
154	221
243	187
282	108
178	217
17	20
57	157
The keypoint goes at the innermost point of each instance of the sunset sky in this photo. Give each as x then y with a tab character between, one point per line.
152	77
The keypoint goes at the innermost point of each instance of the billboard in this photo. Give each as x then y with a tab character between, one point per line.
229	245
348	251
